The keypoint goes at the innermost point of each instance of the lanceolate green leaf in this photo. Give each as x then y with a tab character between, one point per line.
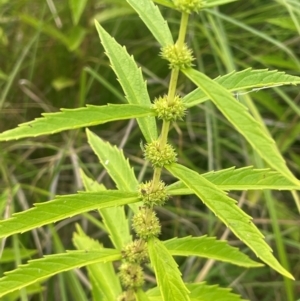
116	165
114	162
40	269
241	119
244	80
153	19
131	80
167	3
209	247
245	178
114	218
77	7
64	207
201	292
106	283
226	210
166	271
69	119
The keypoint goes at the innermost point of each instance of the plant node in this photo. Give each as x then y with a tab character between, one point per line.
146	224
178	57
160	156
189	6
153	198
131	275
169	111
135	252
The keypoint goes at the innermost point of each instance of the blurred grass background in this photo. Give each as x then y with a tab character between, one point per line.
50	57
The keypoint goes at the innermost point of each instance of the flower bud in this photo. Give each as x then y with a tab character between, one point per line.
189	6
153	198
160	156
146	224
131	275
169	111
178	57
135	252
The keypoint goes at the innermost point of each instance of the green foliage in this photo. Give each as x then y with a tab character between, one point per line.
245	178
242	80
124	281
208	247
238	115
40	269
70	119
166	271
63	207
226	210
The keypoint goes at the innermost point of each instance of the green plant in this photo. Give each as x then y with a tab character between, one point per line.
209	188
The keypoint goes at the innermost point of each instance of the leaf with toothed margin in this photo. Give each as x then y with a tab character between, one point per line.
167	273
238	115
244	80
151	16
201	292
131	80
69	119
40	269
209	247
229	213
246	178
63	207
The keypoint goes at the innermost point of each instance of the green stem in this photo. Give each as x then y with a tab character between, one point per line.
183	27
171	94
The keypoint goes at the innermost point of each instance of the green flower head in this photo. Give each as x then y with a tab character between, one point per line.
178	57
189	6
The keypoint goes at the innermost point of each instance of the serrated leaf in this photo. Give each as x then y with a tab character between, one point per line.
231	215
243	80
166	271
105	278
63	207
114	162
40	269
77	7
116	165
238	115
151	16
131	80
114	218
9	255
69	119
245	178
209	247
201	292
204	292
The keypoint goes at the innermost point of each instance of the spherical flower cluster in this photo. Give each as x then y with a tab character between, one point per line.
135	252
178	57
160	156
131	275
146	224
189	6
169	111
153	198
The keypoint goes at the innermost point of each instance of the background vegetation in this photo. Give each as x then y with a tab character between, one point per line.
51	58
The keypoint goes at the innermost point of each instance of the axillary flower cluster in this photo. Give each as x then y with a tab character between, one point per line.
159	153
